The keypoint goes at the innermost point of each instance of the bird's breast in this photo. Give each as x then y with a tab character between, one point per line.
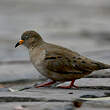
37	56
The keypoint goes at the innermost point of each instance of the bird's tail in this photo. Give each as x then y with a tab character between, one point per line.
103	66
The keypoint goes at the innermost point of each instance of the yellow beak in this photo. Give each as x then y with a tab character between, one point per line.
19	43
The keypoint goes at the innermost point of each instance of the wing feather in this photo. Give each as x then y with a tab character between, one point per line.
71	63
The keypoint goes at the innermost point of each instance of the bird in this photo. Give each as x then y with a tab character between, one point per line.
56	62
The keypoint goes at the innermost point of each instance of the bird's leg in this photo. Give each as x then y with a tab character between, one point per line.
45	84
69	86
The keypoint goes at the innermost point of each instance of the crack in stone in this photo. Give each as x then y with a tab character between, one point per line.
28	99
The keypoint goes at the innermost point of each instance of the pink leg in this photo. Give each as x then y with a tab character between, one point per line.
69	86
45	84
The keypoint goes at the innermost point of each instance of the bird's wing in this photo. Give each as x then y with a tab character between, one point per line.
61	63
66	63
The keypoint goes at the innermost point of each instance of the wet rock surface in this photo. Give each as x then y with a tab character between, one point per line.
82	26
53	99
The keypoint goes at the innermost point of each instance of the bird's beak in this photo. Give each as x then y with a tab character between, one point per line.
19	43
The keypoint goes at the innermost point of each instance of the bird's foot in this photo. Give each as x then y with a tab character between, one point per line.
67	87
75	86
64	87
45	84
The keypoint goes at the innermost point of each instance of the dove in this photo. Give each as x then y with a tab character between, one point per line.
56	62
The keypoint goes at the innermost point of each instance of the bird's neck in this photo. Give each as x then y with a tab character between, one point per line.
36	44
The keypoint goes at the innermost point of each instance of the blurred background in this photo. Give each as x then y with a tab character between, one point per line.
81	25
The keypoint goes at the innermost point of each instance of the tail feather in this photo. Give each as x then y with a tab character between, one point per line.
107	66
102	66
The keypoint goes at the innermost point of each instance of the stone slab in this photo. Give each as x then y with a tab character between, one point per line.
53	99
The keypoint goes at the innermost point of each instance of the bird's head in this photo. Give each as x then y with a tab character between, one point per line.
29	38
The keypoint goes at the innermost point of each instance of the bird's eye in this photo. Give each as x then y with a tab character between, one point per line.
26	37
